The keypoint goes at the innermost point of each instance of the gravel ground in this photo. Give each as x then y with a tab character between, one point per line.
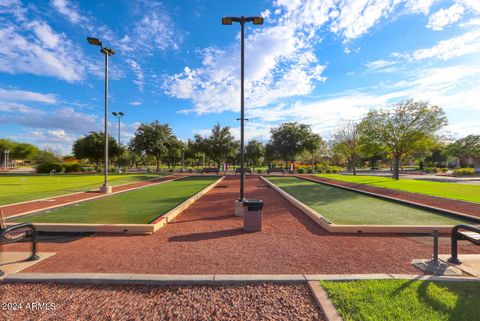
207	239
9	210
448	204
90	302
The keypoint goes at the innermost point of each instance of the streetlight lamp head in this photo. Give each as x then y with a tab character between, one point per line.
114	113
107	51
120	113
258	20
227	21
94	41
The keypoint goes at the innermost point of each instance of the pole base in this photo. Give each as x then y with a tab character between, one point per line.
105	189
238	207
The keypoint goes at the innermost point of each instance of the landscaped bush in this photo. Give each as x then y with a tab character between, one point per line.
444	170
190	170
300	170
310	171
171	170
49	167
428	169
259	171
464	171
72	167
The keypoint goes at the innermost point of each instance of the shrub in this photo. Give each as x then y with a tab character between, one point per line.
444	170
464	171
428	169
310	171
190	170
436	170
259	171
171	170
49	167
300	170
72	167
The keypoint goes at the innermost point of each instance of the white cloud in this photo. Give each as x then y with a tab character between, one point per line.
136	103
155	30
31	46
137	70
24	95
381	65
8	107
467	43
444	17
419	6
279	63
67	9
471	23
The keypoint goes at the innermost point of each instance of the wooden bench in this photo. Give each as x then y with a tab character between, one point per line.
463	232
210	170
247	170
276	170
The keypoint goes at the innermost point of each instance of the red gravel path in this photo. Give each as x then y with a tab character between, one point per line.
208	239
89	302
451	205
10	210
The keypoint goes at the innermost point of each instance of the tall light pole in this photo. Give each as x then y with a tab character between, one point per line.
5	158
107	52
119	116
242	20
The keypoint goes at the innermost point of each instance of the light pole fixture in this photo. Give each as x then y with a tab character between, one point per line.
119	116
107	52
242	20
5	158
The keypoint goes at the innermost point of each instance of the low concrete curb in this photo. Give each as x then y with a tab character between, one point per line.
209	279
324	303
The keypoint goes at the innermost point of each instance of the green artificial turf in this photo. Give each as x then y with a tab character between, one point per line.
20	188
405	300
341	206
140	206
464	192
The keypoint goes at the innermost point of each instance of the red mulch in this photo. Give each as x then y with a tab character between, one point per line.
207	239
9	210
182	303
443	203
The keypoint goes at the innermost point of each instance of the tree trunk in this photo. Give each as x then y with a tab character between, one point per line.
354	170
158	163
396	168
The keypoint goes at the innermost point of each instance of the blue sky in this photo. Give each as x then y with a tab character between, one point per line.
321	62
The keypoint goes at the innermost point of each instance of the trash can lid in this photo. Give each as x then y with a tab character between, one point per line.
253	205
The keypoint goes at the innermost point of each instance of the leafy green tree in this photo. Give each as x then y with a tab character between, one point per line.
289	140
346	141
18	151
153	139
408	127
468	146
219	146
254	152
315	148
92	147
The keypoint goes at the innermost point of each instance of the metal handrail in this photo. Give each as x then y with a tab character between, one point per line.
31	233
457	236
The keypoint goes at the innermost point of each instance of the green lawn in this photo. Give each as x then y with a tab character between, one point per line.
20	188
464	192
405	300
136	207
346	207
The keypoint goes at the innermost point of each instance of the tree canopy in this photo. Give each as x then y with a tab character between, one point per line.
92	147
289	140
407	127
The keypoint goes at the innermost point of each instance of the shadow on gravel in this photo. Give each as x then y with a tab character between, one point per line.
206	235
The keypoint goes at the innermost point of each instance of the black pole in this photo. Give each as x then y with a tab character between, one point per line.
105	134
242	111
118	131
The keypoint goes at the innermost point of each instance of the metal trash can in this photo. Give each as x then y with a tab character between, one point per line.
252	215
